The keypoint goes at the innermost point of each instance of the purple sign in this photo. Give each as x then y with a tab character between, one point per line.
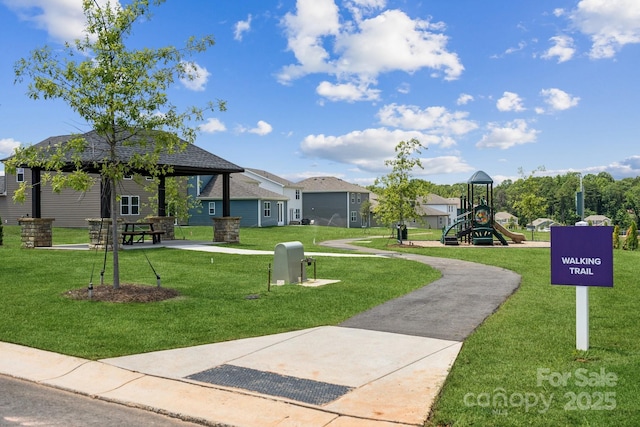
582	256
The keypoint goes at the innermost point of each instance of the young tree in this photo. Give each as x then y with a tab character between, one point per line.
529	203
365	212
121	93
631	242
616	237
397	191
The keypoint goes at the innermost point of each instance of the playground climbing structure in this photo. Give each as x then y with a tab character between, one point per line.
475	221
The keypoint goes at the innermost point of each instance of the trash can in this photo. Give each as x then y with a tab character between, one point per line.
402	232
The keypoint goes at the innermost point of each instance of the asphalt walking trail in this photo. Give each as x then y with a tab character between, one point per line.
450	308
381	368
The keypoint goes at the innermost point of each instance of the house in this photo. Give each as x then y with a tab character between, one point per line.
327	200
505	219
71	208
598	220
255	205
438	212
541	224
279	185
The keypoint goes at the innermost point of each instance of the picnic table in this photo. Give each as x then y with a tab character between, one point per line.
135	232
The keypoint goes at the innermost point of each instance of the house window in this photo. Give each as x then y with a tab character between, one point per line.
296	214
20	175
297	194
354	216
359	198
353	197
129	205
212	208
267	209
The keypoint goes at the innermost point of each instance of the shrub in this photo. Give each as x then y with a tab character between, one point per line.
631	242
616	237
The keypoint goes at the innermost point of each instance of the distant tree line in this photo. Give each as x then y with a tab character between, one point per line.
554	197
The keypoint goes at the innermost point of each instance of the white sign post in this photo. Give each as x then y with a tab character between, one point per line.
582	311
582	318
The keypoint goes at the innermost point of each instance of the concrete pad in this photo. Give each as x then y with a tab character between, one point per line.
182	362
403	396
342	356
33	364
93	378
215	406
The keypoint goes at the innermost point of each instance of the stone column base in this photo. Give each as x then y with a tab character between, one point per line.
164	223
100	232
36	232
226	229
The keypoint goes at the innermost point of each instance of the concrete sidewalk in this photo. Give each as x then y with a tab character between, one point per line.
381	368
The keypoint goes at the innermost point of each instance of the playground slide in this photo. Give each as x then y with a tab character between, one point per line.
516	237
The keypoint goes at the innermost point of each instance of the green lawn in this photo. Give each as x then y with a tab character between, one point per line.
212	306
523	350
509	372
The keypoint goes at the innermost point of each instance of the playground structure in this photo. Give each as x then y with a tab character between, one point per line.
475	222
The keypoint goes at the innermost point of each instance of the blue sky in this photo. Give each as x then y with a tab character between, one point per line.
329	87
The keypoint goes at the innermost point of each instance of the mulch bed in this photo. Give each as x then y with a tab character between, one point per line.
126	293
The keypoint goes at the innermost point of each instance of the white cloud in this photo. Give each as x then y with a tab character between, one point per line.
367	149
563	48
510	102
196	76
443	165
349	92
7	145
63	20
610	24
241	28
357	51
558	100
213	125
558	12
435	121
511	134
464	99
263	128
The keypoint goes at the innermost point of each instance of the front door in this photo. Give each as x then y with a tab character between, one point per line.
280	213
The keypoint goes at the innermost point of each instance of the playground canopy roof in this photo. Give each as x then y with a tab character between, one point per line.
480	177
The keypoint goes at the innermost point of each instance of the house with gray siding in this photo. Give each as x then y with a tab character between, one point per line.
256	206
71	208
435	212
330	201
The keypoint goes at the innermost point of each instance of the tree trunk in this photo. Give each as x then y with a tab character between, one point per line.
114	234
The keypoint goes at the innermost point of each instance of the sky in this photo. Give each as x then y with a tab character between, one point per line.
330	87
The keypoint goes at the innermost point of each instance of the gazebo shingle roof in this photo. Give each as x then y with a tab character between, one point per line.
191	161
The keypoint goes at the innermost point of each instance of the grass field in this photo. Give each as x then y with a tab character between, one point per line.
213	304
519	368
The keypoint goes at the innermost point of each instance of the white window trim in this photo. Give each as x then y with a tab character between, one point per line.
130	205
212	208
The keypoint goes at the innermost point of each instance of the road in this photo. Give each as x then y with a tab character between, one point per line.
23	403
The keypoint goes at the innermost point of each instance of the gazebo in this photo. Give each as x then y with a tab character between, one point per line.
188	162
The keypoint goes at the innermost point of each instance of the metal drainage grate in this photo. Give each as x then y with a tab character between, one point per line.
302	390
